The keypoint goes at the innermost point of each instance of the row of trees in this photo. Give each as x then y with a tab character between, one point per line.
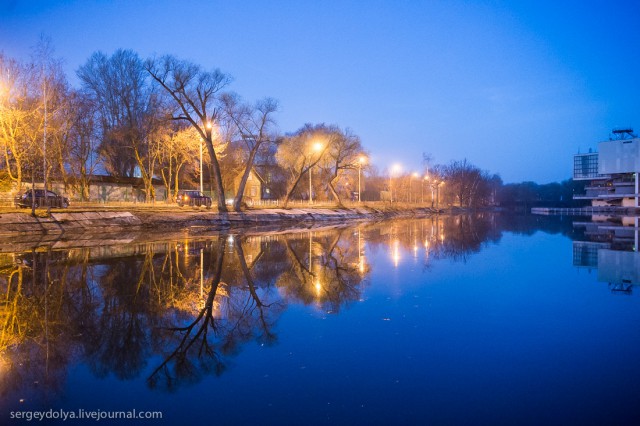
153	118
149	118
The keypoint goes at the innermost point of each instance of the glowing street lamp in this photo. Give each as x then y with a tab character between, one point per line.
395	169
438	194
317	147
361	160
413	175
425	178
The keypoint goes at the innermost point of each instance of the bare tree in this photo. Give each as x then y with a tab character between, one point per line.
130	112
195	96
299	152
83	158
465	182
344	150
254	126
19	104
179	147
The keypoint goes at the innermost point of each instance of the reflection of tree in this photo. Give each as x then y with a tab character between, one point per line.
450	237
194	303
219	327
325	269
178	365
120	343
463	235
39	319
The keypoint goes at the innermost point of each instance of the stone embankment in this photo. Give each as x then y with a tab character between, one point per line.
93	222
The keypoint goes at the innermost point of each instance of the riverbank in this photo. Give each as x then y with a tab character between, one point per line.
96	222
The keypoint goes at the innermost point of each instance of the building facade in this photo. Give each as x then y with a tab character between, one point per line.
612	172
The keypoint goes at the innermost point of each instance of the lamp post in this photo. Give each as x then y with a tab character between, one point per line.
201	188
44	138
209	127
426	177
361	161
438	194
394	169
432	187
413	175
317	147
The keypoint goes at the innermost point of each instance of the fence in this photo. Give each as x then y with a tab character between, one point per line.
7	202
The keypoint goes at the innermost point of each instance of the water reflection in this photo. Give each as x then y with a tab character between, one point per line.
610	245
175	311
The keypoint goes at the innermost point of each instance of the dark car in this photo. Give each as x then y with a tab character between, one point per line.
50	199
193	198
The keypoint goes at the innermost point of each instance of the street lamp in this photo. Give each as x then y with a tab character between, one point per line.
317	147
413	175
432	186
426	178
211	128
361	161
438	193
201	188
396	168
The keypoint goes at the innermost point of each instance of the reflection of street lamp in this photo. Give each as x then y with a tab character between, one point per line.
394	169
317	147
395	252
202	275
361	161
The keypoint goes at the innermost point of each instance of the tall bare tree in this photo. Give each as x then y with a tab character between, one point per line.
344	150
299	152
129	112
83	159
179	148
18	104
195	95
254	125
466	182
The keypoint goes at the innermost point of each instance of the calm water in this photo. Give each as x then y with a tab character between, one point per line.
454	320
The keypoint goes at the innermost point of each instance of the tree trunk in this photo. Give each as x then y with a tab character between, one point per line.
335	194
290	191
237	202
222	207
176	183
150	193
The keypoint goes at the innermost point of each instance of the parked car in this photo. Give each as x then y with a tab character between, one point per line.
50	200
193	198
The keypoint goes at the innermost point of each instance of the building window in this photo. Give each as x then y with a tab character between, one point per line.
585	166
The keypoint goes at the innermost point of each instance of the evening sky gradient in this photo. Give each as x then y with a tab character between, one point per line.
515	87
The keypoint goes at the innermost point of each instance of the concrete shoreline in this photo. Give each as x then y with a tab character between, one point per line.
98	222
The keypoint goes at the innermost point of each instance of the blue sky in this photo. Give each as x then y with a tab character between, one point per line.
515	87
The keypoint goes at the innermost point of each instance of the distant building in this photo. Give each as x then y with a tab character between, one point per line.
102	189
254	187
612	172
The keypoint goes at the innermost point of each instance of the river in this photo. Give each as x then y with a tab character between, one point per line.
468	319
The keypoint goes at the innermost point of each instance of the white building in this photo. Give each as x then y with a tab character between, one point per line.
613	171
